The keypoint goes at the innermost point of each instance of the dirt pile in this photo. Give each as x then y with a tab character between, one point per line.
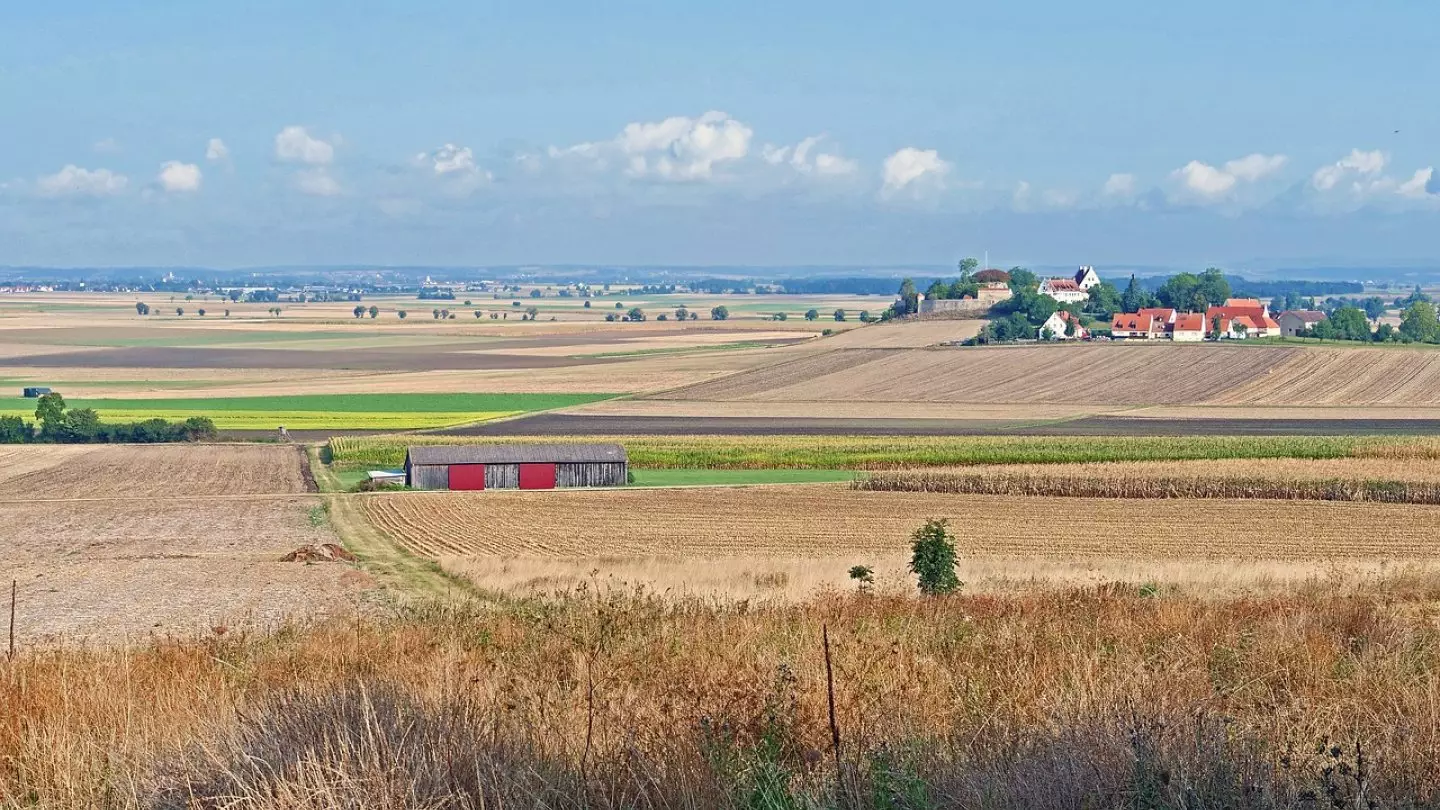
319	552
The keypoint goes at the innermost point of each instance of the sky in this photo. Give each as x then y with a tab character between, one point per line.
855	133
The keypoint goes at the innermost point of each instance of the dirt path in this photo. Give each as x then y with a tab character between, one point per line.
403	574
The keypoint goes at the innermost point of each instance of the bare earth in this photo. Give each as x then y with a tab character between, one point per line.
119	542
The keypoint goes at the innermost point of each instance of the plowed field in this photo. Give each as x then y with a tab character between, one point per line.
149	471
829	520
1094	375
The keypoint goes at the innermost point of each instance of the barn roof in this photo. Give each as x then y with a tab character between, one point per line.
515	453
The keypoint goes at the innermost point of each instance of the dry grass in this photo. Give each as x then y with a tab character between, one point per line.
1096	697
831	520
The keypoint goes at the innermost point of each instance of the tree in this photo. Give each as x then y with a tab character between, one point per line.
1022	279
469	303
1348	323
609	316
1181	291
839	314
1215	327
374	312
14	430
933	558
662	317
1374	307
682	313
635	314
619	304
227	313
812	314
435	313
864	577
200	312
179	311
865	316
1104	300
967	267
719	313
478	314
533	312
358	312
1419	323
779	316
402	313
535	293
587	304
1135	298
142	308
909	302
1212	289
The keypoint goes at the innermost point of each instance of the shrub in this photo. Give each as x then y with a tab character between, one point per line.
933	558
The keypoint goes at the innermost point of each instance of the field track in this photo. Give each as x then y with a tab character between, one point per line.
830	520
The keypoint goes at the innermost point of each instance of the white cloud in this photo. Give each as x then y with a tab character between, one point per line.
1209	181
1357	162
216	150
1120	185
1422	184
177	176
798	157
295	144
449	159
317	183
911	166
1253	167
75	181
678	148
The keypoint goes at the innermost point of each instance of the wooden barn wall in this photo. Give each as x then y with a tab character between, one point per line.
590	474
502	476
430	476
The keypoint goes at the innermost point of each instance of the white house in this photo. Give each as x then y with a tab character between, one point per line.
1058	323
1071	290
1086	277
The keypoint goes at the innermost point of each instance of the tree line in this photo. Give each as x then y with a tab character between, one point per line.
58	424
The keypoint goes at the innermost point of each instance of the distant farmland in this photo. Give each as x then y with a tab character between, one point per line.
321	411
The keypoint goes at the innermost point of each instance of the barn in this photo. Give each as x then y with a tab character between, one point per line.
515	466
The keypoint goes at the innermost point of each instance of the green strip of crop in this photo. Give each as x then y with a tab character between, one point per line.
863	452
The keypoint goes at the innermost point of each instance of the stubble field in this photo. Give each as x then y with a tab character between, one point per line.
121	542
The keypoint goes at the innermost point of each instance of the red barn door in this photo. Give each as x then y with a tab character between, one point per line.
467	476
537	476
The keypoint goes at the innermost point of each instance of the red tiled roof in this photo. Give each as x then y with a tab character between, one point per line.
1061	284
1244	303
1189	322
1163	313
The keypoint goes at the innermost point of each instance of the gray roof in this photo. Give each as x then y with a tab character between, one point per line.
1308	315
515	453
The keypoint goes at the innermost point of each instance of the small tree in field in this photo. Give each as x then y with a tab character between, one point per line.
864	577
933	558
374	310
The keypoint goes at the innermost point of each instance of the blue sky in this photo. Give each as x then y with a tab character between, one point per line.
760	133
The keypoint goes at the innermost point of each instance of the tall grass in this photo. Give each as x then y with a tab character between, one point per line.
1102	697
874	453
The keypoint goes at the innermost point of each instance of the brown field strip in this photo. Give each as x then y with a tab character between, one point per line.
1315	376
825	520
1091	374
109	541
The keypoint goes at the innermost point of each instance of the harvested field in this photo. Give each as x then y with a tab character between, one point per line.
1395	377
121	541
831	520
87	472
1090	374
907	335
1350	479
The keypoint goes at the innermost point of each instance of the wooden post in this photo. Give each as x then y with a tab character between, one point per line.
14	585
830	692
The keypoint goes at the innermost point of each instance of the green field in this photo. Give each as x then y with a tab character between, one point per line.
828	453
321	411
697	478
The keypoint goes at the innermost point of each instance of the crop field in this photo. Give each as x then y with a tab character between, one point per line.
873	453
323	411
832	521
1099	375
1349	479
112	542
